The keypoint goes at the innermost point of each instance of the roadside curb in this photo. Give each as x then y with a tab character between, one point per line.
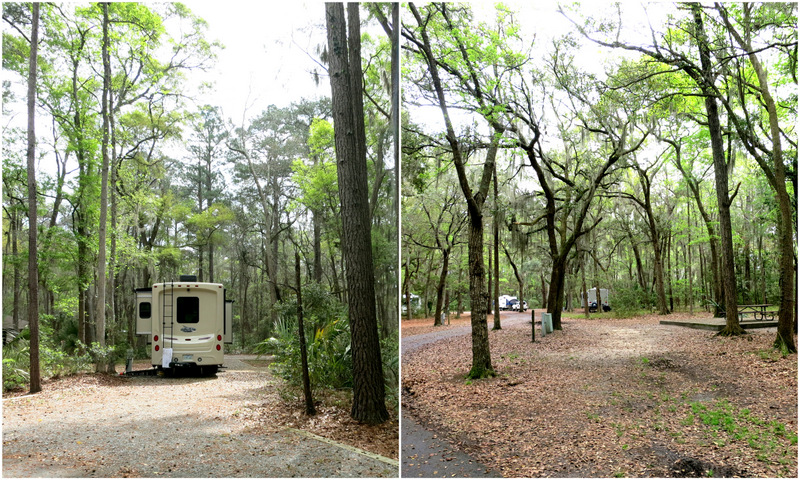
21	396
365	453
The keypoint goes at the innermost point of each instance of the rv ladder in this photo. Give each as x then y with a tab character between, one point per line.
167	312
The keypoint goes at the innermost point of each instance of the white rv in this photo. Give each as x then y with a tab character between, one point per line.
187	324
591	294
507	302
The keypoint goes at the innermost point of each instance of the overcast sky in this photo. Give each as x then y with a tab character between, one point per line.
263	62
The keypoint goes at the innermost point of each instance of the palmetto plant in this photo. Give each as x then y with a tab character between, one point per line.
16	363
330	361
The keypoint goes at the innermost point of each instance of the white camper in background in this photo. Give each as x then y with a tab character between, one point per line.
187	324
592	296
506	301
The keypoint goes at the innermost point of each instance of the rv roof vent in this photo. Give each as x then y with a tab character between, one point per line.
188	278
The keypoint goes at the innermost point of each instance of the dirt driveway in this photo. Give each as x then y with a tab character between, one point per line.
167	427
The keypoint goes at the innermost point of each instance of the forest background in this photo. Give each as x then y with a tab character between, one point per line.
635	185
179	187
645	149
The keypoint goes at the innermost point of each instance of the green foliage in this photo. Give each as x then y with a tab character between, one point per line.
104	355
630	301
16	364
54	361
327	336
328	345
390	357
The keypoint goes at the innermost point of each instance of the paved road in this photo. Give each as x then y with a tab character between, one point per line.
424	453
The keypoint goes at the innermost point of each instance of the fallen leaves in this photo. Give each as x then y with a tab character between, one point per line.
332	421
605	397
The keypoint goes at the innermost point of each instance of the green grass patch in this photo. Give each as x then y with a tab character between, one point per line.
769	438
593	417
771	354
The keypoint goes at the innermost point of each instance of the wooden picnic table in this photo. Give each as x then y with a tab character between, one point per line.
759	312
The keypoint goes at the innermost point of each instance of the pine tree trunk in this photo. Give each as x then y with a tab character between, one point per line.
348	112
100	305
317	218
33	260
210	261
15	228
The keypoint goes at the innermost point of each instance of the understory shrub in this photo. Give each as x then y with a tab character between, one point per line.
390	357
327	332
54	362
630	301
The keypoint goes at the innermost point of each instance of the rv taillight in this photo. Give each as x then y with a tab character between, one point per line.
219	348
219	338
157	348
155	338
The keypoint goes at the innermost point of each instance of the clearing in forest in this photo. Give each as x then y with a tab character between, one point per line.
609	397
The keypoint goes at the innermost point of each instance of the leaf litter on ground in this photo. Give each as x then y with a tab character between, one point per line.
611	397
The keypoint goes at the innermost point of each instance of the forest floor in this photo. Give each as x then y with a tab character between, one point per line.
608	397
236	424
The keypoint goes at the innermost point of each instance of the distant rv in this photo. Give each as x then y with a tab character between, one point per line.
591	294
187	324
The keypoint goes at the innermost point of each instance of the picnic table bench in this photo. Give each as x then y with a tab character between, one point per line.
759	313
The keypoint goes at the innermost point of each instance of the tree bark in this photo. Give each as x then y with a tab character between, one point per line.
15	227
344	46
709	223
786	312
496	235
690	299
490	284
481	356
100	305
544	291
728	273
440	288
584	293
316	219
301	333
33	260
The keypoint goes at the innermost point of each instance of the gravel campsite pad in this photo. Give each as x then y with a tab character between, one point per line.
608	397
103	426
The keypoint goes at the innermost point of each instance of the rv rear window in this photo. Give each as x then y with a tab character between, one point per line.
144	310
188	310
